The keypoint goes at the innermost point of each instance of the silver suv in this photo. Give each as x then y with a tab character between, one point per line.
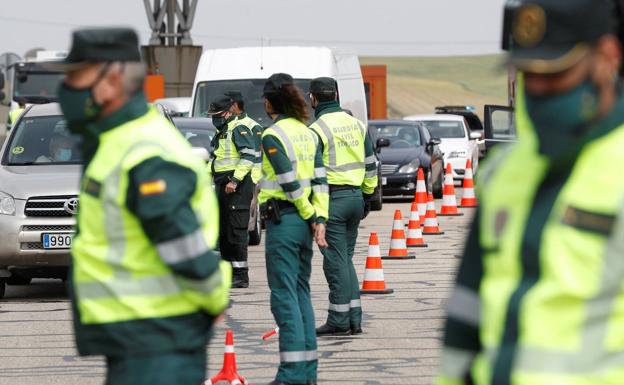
39	183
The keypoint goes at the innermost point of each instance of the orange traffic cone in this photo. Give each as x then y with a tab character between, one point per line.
414	232
398	248
431	221
374	282
449	202
228	373
420	196
469	198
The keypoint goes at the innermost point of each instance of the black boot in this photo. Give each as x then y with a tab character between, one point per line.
356	330
240	280
328	330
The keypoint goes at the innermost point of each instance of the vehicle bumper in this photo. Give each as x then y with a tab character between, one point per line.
21	240
458	165
400	184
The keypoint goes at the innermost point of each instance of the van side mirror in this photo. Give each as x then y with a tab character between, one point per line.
382	142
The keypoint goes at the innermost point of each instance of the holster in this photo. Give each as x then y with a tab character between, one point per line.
270	210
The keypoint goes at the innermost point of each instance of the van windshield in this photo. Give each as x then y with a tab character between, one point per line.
446	129
252	93
42	140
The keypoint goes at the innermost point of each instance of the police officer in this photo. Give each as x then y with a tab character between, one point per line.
238	109
539	291
16	113
349	159
294	199
233	156
145	283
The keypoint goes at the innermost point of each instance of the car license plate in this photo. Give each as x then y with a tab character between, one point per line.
57	241
384	181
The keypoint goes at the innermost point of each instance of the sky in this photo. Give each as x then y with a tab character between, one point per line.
366	27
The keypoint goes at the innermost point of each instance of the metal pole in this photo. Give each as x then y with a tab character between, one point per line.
171	24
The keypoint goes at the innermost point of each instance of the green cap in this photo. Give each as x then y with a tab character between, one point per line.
101	45
550	36
234	95
219	105
276	82
323	85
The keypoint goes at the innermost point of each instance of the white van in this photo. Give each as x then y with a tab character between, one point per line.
246	69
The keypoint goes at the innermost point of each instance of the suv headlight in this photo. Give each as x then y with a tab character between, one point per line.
457	154
409	168
7	204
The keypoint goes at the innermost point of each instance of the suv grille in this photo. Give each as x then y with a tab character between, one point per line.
47	228
389	169
47	207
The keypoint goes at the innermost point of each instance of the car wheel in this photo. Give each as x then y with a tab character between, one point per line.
18	280
377	201
255	235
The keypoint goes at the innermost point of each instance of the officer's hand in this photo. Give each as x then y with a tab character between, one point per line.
230	187
319	235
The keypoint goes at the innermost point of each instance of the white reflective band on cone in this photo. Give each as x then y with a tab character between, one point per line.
374	251
375	275
398	244
469	193
229	349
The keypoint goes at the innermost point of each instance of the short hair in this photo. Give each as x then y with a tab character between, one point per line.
133	74
325	96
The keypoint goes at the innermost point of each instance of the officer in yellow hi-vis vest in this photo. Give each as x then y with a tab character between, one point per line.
539	293
349	159
238	109
146	284
16	113
294	200
233	158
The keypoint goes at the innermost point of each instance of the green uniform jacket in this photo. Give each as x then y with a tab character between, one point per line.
539	298
163	217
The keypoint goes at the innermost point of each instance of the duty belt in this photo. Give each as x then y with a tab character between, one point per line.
335	188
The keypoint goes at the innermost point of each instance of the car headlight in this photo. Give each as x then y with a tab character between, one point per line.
409	168
457	154
7	204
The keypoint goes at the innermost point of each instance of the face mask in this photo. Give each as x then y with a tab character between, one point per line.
79	105
219	122
560	120
64	155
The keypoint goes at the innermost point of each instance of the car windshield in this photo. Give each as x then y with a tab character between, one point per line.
251	90
400	135
446	129
42	140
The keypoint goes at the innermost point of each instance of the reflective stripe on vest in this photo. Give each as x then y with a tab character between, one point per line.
226	156
333	165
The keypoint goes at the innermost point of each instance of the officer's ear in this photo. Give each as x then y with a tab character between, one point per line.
608	60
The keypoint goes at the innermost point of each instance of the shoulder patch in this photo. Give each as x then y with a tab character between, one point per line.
153	187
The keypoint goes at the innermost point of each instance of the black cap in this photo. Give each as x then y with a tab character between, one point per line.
275	83
220	105
550	36
323	85
100	45
234	95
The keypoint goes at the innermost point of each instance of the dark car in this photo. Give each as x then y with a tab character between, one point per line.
199	132
403	147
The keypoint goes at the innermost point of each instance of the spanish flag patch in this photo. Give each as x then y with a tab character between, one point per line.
153	187
272	150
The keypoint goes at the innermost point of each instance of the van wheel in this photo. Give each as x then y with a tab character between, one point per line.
255	235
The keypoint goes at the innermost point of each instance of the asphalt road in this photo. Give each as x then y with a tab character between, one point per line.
400	344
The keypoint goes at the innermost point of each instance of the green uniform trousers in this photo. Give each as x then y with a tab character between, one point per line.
346	208
173	368
289	265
